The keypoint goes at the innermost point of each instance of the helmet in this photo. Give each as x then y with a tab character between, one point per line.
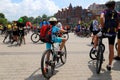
20	20
53	19
110	4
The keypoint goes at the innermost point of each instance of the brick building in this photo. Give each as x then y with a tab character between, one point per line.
72	15
97	8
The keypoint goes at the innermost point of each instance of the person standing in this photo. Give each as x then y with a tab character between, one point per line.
118	37
109	23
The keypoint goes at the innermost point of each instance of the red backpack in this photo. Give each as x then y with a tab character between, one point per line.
45	33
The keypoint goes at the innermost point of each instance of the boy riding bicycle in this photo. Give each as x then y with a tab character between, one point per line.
56	39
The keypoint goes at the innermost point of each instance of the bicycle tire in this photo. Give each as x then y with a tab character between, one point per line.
92	55
47	62
116	46
99	59
35	37
103	47
63	57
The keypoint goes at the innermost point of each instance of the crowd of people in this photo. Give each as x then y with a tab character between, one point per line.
109	23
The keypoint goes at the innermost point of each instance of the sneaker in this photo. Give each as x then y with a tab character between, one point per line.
117	58
108	68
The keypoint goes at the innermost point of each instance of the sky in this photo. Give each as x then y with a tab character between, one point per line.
14	9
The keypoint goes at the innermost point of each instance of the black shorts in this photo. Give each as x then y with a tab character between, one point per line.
15	33
95	32
118	35
111	40
21	32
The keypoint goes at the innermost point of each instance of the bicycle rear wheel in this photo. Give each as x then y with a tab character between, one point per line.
99	59
63	57
35	37
47	64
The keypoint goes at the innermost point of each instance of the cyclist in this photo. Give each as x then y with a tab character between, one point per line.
15	31
106	20
8	33
44	22
55	29
95	30
118	36
21	26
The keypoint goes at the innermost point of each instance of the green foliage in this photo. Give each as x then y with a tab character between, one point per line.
3	21
2	15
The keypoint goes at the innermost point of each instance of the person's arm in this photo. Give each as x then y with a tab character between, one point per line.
102	19
62	30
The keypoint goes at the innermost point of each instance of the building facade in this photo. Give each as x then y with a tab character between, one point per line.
117	7
73	15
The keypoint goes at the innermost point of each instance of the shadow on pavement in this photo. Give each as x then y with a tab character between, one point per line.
104	74
35	76
116	66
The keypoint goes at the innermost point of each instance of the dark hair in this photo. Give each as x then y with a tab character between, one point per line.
110	4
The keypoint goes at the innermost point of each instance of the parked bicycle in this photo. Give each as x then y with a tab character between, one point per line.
49	59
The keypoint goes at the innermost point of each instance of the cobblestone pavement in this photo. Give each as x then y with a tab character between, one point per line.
23	63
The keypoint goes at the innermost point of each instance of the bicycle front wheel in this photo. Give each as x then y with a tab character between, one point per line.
35	37
99	59
47	64
93	55
64	55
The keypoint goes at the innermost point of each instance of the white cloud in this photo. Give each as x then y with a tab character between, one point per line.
33	8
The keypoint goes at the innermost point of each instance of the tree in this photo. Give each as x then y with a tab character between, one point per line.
44	16
25	19
3	21
2	15
31	19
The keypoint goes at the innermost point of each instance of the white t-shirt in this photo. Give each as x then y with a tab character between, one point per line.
95	25
59	25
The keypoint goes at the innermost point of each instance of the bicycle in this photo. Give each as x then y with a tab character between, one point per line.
49	59
100	56
92	55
